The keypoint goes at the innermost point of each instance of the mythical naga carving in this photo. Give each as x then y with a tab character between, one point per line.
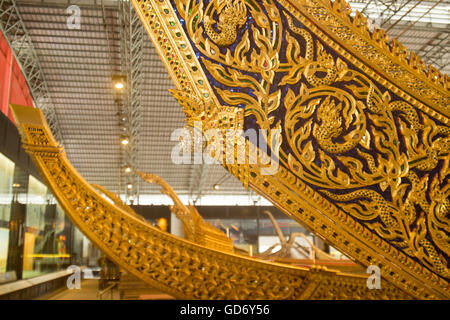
232	15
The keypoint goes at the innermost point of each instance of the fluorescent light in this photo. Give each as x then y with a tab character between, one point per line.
124	140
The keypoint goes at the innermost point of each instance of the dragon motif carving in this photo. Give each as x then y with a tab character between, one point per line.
232	15
181	268
357	141
323	63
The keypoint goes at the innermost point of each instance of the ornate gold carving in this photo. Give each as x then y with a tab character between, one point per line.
36	135
403	68
181	268
117	201
358	122
195	228
232	15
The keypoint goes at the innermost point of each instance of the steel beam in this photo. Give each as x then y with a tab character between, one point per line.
131	47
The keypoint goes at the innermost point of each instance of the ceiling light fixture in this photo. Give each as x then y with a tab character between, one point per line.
119	81
127	169
216	186
124	140
129	186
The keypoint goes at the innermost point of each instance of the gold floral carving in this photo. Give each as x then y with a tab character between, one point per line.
181	268
367	130
117	201
405	69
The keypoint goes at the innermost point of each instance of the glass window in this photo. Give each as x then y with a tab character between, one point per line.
62	236
6	187
6	195
84	253
38	235
36	204
4	240
47	233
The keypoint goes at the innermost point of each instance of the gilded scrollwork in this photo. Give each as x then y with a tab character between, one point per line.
401	103
405	68
355	141
232	15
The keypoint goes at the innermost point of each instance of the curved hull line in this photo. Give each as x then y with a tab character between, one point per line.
178	267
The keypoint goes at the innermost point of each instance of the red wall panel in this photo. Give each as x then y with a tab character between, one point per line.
13	86
5	67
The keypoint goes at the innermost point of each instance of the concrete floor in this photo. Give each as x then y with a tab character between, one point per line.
88	291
